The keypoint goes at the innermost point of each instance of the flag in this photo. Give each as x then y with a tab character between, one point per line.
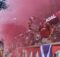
50	18
45	50
37	54
28	52
32	52
56	51
20	51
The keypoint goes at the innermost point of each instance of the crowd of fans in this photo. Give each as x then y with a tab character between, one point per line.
40	33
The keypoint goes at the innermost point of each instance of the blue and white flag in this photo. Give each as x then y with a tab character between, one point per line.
45	50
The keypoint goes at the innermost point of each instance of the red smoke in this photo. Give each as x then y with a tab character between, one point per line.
13	30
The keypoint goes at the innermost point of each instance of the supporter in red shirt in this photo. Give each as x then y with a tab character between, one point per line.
49	26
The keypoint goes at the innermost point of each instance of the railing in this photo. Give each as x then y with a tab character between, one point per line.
35	50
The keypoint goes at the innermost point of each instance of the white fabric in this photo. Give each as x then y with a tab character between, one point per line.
58	53
37	54
31	55
50	18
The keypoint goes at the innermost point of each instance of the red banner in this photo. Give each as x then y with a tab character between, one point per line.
32	52
55	50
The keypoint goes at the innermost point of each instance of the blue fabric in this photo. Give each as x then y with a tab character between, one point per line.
46	50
